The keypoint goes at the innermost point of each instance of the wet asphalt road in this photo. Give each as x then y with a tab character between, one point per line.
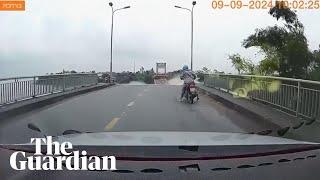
129	108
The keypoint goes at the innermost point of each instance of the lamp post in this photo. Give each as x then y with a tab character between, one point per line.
191	11
111	41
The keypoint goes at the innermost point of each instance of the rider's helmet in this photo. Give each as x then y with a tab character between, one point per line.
185	67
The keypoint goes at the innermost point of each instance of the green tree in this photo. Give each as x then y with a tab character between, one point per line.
280	11
201	73
268	66
241	64
148	77
314	69
285	48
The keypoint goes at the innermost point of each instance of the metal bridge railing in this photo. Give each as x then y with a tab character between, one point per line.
21	88
294	96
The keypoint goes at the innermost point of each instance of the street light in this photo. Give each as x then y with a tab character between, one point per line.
111	41
191	11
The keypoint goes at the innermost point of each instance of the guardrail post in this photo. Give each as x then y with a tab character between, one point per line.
214	81
63	83
298	99
251	83
34	86
251	87
228	82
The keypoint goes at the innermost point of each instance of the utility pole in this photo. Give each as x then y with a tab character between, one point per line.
191	11
111	38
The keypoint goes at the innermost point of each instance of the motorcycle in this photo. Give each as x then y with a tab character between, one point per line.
191	93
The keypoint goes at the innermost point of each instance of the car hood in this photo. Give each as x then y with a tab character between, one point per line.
176	145
172	139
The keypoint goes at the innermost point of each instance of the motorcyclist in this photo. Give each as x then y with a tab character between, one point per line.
188	77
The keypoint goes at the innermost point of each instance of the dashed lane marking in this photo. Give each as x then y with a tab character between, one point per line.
111	124
131	104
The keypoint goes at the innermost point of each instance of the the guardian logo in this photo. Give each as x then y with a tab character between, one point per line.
58	155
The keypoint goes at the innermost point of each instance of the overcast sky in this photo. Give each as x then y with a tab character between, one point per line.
53	35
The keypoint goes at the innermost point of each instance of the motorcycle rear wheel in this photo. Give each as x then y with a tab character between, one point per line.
190	98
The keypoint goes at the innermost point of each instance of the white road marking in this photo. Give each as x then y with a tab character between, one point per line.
131	104
111	124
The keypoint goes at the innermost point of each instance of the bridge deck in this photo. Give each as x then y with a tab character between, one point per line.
130	108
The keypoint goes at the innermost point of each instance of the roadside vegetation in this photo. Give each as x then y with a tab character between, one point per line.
145	76
285	49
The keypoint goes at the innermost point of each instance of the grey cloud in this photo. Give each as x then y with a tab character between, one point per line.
50	37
